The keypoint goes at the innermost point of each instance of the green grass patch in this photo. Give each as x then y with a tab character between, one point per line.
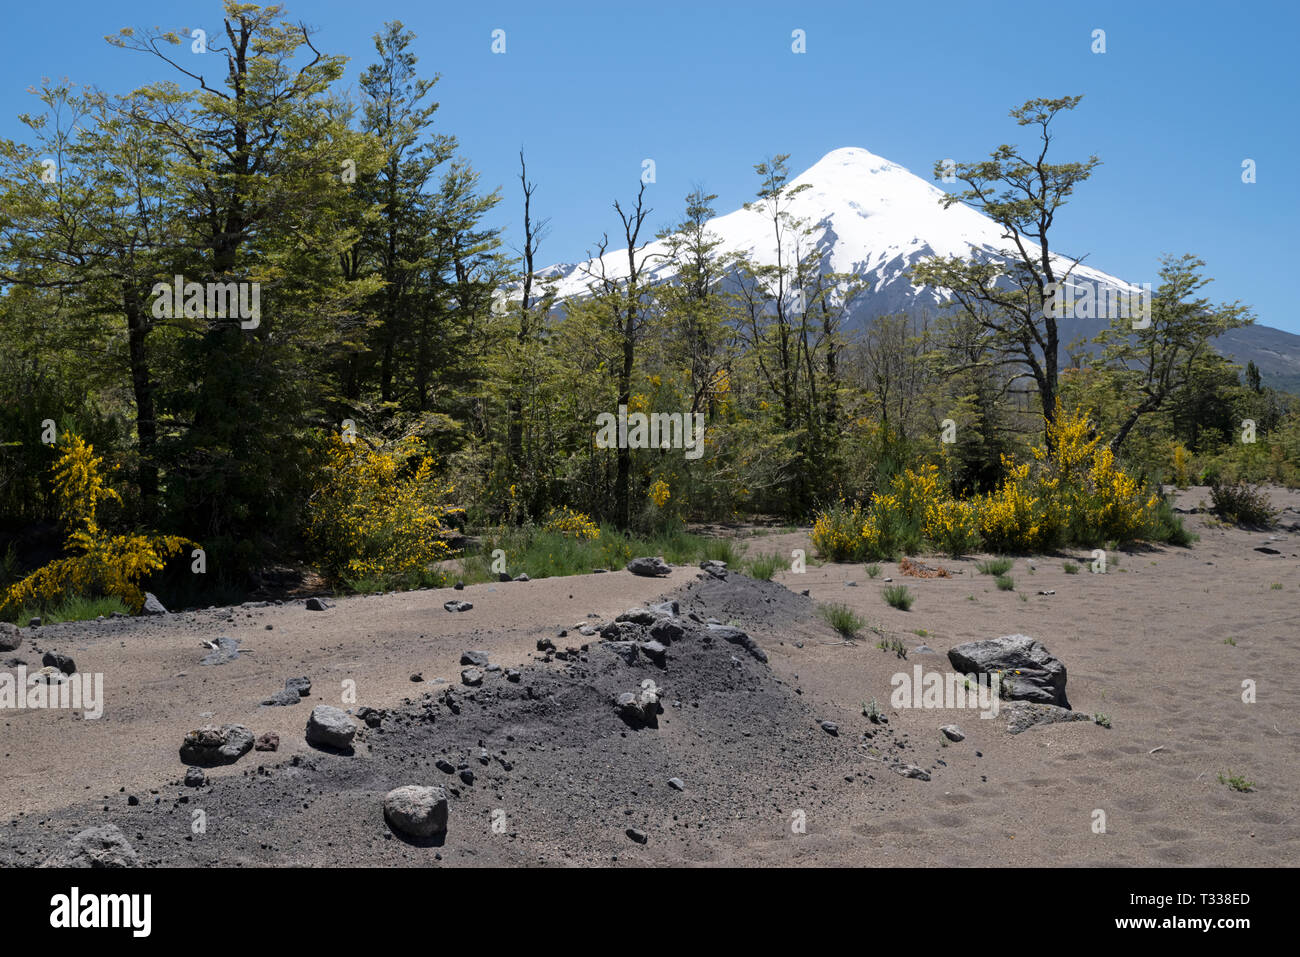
843	619
73	608
1005	582
995	566
765	566
898	596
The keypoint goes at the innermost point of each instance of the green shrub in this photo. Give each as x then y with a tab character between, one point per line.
1242	504
765	566
899	596
842	618
1005	582
995	566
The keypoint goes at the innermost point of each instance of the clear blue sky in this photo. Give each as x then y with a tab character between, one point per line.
1183	93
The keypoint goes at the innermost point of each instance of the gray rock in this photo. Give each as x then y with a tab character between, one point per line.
267	741
715	569
911	771
152	606
10	637
637	835
513	674
737	637
1023	715
952	732
1029	671
479	659
545	644
638	616
300	685
830	727
331	727
102	846
619	631
668	630
62	662
471	676
227	649
195	778
677	784
457	605
626	650
317	604
649	567
211	745
654	651
640	708
417	811
282	698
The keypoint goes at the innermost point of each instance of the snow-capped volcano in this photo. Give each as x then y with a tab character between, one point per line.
869	217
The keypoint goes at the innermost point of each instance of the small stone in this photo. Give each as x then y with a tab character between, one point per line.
952	732
267	741
471	676
830	727
416	810
637	835
478	659
195	778
152	606
457	605
64	663
317	604
211	745
330	727
677	784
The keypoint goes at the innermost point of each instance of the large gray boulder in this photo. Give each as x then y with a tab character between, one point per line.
417	811
211	745
152	606
101	846
1029	672
331	727
649	567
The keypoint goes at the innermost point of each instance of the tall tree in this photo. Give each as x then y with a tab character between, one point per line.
1010	294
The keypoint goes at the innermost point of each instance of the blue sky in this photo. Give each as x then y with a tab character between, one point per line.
1183	94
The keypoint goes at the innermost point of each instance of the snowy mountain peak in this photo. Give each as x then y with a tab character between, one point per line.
868	216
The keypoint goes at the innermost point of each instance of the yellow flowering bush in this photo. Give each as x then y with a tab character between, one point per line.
99	564
837	530
953	526
1021	515
374	516
1097	501
565	521
659	493
1072	491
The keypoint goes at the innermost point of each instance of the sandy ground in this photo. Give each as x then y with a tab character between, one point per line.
1161	644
